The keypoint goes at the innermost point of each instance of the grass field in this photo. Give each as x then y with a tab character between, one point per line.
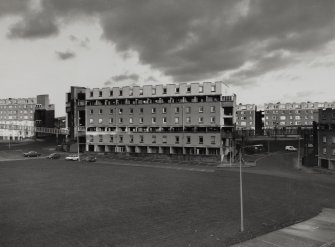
58	203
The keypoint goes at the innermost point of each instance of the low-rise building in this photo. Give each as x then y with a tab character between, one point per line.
20	116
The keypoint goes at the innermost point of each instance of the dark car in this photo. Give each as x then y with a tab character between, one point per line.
31	154
90	159
53	156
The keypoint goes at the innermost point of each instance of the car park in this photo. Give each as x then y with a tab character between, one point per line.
72	157
290	148
53	156
31	154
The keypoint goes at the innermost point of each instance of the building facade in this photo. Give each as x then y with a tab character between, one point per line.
19	117
326	138
195	118
76	117
246	118
290	116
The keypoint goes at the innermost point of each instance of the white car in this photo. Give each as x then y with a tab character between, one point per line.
73	157
290	148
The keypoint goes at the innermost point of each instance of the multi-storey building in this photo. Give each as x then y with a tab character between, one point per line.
292	115
19	117
248	119
76	116
326	138
195	118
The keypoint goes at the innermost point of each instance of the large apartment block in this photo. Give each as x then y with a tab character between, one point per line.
195	118
19	117
293	115
326	138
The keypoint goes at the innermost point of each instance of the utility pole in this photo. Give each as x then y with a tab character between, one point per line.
78	137
298	164
241	192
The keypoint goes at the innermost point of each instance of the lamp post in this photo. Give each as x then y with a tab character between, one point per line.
78	138
298	162
241	192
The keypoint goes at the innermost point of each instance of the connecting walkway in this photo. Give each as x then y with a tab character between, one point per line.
316	232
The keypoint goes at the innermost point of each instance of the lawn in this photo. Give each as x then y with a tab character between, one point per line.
58	203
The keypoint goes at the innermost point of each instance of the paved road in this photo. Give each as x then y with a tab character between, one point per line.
316	232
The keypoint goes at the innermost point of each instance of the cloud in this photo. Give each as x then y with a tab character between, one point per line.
123	78
80	42
33	26
65	55
196	40
13	7
151	79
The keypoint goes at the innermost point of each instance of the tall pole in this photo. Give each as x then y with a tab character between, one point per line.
298	164
241	192
78	137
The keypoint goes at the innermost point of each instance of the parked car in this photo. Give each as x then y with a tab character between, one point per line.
90	159
73	157
31	154
53	156
310	145
290	148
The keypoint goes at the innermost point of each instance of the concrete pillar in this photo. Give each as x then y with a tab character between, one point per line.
171	150
207	151
160	150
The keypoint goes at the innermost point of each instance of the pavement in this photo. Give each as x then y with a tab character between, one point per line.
316	232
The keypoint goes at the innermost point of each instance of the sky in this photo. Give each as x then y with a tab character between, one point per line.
265	50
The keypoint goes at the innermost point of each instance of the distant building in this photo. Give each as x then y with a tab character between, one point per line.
291	116
19	117
249	119
44	113
60	122
326	138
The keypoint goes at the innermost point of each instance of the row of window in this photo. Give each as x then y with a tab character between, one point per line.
15	112
14	117
16	106
290	112
324	139
324	151
153	91
243	118
153	120
154	110
290	117
289	123
297	106
177	139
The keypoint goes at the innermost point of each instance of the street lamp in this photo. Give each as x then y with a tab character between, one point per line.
298	164
78	137
241	192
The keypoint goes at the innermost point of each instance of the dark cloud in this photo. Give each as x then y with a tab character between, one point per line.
195	39
65	55
123	78
13	7
33	26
